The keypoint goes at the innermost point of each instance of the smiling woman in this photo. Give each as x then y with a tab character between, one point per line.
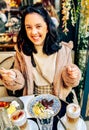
43	65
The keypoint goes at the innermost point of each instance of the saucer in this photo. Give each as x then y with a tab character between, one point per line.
81	124
32	125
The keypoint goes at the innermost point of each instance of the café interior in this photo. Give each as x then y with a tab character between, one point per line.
74	28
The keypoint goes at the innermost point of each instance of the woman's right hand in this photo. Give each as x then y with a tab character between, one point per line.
10	80
7	74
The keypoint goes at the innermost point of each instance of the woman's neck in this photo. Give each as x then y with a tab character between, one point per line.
39	49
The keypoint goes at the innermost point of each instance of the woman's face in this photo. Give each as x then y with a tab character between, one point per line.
36	28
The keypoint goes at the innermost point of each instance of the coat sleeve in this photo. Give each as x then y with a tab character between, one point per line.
68	82
64	85
18	82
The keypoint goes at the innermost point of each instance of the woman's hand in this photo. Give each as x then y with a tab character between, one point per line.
72	71
7	74
71	75
11	79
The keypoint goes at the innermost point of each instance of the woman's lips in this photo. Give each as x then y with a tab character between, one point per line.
35	38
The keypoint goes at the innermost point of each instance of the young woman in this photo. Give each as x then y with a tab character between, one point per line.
42	64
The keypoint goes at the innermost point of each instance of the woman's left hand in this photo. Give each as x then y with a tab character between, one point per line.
72	71
71	75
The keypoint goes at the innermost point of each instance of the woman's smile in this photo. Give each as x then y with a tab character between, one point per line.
36	38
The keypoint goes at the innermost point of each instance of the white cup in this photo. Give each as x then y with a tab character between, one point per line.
73	113
19	119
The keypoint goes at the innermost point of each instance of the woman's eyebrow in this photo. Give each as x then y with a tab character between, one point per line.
27	24
35	24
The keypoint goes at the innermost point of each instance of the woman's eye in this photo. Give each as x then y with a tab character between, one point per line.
28	27
39	26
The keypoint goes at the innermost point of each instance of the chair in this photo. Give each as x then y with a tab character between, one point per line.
6	61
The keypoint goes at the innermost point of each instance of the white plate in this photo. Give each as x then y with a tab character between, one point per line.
11	98
55	107
25	100
32	125
81	124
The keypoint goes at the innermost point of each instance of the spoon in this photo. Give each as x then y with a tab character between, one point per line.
61	122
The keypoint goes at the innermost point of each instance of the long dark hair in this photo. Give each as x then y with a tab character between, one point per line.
51	44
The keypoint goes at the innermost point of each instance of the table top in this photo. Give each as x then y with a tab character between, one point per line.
32	122
26	99
61	114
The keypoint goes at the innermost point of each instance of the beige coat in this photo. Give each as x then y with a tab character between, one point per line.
24	78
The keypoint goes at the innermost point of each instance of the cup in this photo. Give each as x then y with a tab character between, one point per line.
19	119
73	112
45	124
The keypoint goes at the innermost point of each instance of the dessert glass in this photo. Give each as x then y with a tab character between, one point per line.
45	124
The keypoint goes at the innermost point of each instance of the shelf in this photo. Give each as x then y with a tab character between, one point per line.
6	46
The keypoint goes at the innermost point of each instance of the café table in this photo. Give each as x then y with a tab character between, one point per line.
27	99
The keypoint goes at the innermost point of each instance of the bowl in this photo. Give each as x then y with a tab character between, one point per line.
56	106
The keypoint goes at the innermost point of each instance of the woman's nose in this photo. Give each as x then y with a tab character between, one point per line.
34	31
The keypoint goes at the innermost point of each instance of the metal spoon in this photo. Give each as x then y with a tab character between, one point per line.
61	122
